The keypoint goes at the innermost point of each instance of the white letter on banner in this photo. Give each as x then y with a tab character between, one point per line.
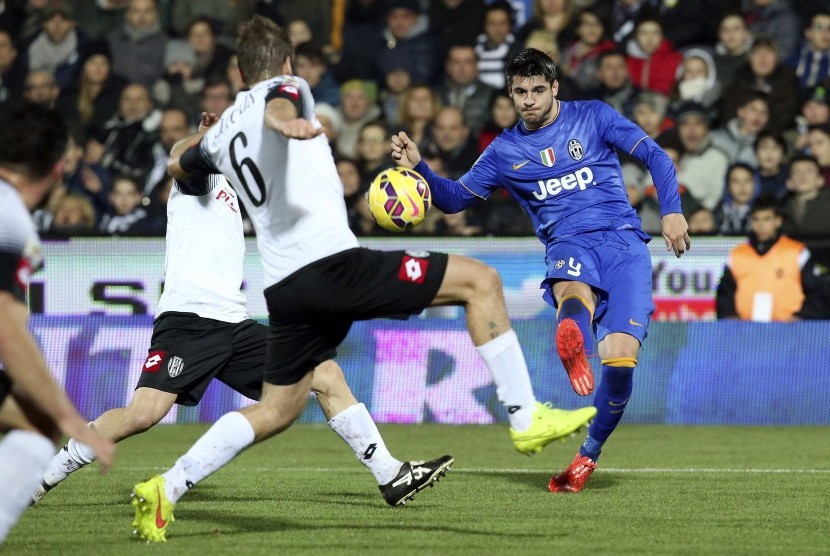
400	391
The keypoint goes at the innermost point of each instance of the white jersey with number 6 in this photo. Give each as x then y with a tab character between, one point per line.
289	187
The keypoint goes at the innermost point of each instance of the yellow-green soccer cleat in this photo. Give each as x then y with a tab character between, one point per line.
550	424
153	511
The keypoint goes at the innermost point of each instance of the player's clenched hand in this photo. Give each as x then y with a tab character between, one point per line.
676	233
405	151
300	128
208	119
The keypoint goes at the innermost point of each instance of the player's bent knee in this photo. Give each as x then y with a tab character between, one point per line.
328	378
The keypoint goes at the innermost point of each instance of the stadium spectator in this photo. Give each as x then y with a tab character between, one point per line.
686	22
456	146
406	43
815	110
125	144
495	43
651	113
732	48
331	121
455	22
555	17
702	222
462	87
40	88
807	205
75	214
396	83
361	221
702	164
82	178
697	80
624	15
358	106
771	153
365	21
310	64
299	32
765	73
217	96
56	49
777	20
737	136
374	151
93	99
138	47
811	62
770	277
224	16
732	213
12	71
174	125
615	86
582	54
179	86
818	146
99	17
502	116
316	14
417	111
652	61
211	57
125	210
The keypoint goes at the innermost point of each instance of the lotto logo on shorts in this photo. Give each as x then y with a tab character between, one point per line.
413	269
153	362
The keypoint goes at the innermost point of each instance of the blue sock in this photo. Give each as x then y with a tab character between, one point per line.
573	307
610	400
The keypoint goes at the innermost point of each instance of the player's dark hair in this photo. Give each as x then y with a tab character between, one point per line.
261	48
766	201
531	62
32	139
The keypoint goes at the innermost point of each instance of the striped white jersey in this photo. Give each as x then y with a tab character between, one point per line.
21	253
205	254
289	187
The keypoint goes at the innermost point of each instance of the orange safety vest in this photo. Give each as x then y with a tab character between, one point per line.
777	273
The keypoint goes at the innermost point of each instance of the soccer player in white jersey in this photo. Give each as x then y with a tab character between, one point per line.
271	148
202	331
34	411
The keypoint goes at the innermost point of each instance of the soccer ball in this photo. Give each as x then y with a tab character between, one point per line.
399	199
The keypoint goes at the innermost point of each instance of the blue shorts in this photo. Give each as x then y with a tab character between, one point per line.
617	266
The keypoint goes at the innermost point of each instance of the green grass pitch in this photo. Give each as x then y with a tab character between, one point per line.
658	490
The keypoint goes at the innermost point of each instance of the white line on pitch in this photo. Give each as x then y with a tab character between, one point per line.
518	471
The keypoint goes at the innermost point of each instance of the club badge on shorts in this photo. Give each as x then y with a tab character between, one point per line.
175	366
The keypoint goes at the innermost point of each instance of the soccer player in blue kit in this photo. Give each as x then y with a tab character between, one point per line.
559	162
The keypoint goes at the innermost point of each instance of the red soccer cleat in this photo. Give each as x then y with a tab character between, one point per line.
573	479
571	347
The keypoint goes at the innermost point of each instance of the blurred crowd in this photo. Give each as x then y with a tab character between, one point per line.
733	90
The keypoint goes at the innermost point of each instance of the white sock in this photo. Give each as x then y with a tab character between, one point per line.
228	436
69	459
504	357
23	457
357	428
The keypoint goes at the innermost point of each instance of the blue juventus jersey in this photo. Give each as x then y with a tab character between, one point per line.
567	175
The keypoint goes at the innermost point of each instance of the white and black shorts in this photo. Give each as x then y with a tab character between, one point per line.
311	311
188	351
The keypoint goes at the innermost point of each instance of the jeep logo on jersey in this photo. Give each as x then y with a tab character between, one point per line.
548	157
582	178
575	149
175	367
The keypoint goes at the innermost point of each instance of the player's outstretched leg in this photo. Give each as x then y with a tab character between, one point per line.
478	287
611	398
147	407
398	481
573	342
153	510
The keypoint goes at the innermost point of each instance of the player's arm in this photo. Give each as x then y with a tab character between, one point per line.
27	369
627	136
283	113
189	164
450	196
